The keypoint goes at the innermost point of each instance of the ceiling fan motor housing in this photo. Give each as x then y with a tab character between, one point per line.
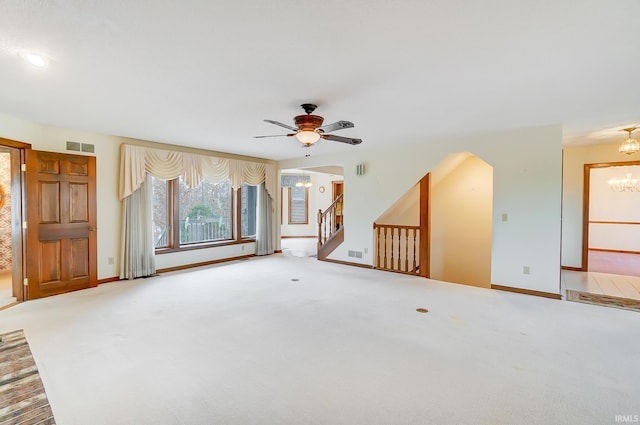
308	122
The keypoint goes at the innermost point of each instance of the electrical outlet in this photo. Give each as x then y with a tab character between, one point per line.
366	250
242	249
110	260
526	270
505	217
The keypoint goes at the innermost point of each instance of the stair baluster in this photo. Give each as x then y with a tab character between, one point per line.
391	258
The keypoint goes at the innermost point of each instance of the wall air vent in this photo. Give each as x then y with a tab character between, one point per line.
355	254
73	146
88	147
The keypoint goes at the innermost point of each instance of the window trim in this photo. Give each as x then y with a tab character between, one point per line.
306	207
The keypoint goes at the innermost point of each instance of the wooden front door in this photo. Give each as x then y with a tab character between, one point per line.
61	223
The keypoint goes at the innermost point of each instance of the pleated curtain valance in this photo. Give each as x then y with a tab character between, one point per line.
137	161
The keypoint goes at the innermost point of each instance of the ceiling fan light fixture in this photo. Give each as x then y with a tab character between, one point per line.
307	137
309	129
630	145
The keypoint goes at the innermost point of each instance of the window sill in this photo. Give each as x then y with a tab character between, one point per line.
160	251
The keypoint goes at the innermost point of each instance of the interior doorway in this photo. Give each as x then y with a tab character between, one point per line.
11	231
6	257
305	194
611	228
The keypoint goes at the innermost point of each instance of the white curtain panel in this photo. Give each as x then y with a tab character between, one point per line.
265	235
137	256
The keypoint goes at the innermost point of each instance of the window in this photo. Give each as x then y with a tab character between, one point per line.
185	217
298	205
205	212
248	205
161	226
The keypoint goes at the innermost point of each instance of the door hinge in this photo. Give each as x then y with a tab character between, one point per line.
24	224
25	281
23	167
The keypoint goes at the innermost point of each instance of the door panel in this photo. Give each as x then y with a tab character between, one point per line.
79	260
61	222
50	264
49	202
78	212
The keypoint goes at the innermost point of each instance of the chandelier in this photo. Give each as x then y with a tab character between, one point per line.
629	146
304	181
624	185
304	184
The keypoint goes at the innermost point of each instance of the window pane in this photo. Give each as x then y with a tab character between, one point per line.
298	205
205	212
160	212
248	204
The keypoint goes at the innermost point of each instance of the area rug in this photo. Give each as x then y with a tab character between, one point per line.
604	300
22	397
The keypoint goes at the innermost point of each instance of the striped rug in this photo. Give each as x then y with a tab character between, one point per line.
22	397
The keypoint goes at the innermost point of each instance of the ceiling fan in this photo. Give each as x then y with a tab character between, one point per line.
309	129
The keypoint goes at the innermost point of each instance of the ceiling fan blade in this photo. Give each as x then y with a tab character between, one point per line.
336	126
274	135
348	140
281	125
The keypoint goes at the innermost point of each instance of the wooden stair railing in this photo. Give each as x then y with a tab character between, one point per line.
329	221
330	229
397	248
331	244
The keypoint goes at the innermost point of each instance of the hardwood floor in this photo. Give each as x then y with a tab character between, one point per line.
614	262
613	280
613	285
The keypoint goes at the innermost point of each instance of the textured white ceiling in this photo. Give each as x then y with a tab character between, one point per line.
206	73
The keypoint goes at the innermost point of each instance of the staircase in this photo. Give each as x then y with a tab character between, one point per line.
330	229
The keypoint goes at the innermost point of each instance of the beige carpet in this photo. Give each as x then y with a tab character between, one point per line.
291	340
22	397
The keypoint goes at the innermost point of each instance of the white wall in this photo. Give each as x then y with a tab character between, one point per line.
461	212
405	211
527	166
527	176
572	193
107	148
